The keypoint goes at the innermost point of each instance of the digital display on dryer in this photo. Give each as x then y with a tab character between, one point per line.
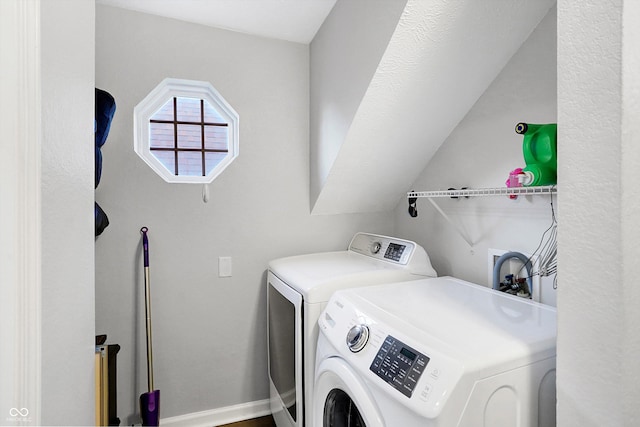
399	365
394	251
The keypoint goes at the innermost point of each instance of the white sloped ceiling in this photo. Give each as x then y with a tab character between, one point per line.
441	57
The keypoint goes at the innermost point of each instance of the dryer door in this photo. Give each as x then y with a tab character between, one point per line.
341	398
284	337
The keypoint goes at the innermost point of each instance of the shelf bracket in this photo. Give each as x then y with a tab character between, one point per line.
459	229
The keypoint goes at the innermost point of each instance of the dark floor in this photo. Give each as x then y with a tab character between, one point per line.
256	422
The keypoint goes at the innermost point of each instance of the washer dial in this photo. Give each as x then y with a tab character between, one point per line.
357	337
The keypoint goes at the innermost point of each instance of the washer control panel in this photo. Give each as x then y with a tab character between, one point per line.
405	363
399	365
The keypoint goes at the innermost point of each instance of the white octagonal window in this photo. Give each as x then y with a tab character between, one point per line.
185	131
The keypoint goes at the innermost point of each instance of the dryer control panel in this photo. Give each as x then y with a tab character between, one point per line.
382	247
399	252
399	365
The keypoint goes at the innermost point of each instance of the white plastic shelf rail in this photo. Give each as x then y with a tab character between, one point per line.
478	192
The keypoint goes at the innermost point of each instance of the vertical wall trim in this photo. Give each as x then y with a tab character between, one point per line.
630	205
20	172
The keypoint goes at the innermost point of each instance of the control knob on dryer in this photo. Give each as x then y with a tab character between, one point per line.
357	337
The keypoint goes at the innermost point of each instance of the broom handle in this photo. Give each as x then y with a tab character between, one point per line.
147	307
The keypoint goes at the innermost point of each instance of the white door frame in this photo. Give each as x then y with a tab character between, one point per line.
20	212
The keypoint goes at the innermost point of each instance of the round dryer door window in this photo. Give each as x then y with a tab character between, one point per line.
341	411
341	398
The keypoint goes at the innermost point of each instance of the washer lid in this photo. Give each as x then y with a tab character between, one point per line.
474	324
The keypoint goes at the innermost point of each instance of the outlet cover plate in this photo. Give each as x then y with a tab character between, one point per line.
224	266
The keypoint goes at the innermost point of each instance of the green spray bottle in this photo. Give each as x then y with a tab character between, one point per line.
540	153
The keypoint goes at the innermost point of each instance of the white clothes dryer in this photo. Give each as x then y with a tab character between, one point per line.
298	289
435	353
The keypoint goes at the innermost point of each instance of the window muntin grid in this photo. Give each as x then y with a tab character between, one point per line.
188	136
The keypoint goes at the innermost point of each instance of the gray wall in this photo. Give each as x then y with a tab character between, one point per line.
209	332
344	57
479	153
599	296
67	55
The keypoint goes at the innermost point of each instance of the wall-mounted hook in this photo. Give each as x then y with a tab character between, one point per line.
413	210
205	193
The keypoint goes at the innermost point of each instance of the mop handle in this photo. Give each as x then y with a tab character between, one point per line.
147	307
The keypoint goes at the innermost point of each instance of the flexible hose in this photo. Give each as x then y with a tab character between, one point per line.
498	265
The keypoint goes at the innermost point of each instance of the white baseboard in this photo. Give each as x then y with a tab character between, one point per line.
220	416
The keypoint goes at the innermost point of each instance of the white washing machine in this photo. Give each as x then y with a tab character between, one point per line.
435	353
298	289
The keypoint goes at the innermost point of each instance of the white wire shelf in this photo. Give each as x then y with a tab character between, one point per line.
476	192
472	192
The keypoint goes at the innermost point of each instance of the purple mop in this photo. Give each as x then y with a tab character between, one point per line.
149	402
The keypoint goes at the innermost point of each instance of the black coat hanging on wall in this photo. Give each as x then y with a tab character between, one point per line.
105	109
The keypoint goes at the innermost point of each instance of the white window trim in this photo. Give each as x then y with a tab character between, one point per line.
166	90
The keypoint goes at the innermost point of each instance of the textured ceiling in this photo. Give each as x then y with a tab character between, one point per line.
292	20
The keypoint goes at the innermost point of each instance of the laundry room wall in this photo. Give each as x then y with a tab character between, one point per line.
208	332
66	319
344	56
599	296
479	153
